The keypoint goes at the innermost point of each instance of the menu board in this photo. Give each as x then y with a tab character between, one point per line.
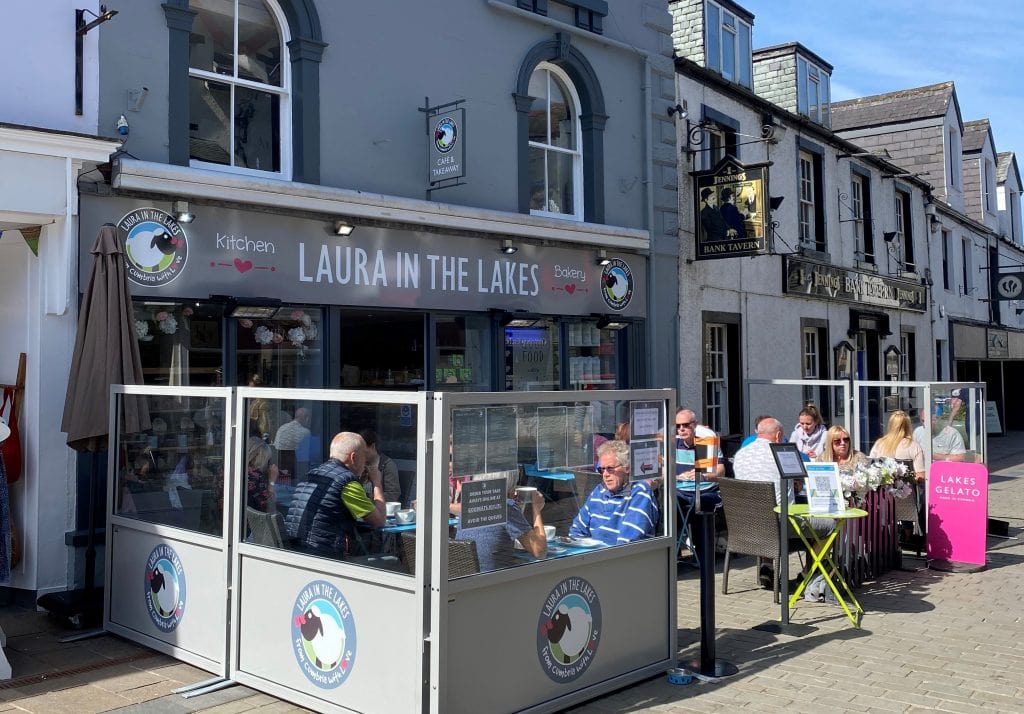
644	458
502	439
824	490
644	419
581	436
552	435
469	432
484	503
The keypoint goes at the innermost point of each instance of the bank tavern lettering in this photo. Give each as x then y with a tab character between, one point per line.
826	282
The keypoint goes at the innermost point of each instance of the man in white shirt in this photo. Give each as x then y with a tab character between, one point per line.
947	444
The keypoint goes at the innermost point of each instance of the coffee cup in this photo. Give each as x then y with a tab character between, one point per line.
406	516
392	507
549	532
525	494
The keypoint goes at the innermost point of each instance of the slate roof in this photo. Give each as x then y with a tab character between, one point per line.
975	133
1003	163
892	108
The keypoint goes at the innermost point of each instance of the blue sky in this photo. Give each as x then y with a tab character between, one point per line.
878	46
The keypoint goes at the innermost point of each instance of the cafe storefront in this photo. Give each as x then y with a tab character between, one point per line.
267	293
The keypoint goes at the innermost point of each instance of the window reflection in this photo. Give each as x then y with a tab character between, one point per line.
180	342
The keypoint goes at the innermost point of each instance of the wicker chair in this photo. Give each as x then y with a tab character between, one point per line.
263	528
462	558
753	525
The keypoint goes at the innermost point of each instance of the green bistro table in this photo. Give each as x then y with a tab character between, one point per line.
821	554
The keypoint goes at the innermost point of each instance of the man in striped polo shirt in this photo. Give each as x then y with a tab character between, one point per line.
617	511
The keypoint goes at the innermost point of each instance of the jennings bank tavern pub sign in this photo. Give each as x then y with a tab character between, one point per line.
730	205
830	282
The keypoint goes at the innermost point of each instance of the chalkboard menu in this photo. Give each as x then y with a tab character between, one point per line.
502	439
484	503
552	433
469	439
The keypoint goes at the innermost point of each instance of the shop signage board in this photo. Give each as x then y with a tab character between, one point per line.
1009	286
731	204
446	145
253	254
835	283
957	512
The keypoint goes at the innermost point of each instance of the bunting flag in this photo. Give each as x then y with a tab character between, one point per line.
31	236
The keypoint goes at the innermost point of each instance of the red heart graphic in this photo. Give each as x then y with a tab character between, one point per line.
243	266
570	288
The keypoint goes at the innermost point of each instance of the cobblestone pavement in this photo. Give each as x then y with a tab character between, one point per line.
930	641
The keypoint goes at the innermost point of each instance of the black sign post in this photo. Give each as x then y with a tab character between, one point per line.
791	467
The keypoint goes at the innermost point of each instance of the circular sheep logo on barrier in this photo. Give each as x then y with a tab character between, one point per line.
323	634
569	630
165	588
156	248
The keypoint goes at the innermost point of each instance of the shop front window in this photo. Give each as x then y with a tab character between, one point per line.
381	349
462	353
593	356
282	349
531	357
180	342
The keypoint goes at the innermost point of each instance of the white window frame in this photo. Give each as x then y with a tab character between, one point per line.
805	181
988	178
729	23
966	246
905	340
947	265
577	153
954	157
811	353
284	92
813	95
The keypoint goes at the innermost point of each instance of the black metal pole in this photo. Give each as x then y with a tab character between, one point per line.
79	24
90	545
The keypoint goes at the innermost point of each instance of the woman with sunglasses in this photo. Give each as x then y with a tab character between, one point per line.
838	448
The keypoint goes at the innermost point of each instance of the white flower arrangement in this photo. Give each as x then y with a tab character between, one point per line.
869	476
168	325
297	336
141	329
263	335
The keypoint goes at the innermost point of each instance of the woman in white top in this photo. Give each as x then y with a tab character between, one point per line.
809	434
898	443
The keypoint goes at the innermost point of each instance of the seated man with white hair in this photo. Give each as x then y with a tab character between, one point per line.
617	511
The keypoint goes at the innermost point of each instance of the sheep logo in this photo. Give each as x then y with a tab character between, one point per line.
617	284
323	634
155	246
569	629
164	588
446	134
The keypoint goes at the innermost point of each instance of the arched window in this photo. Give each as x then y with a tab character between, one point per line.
556	154
239	87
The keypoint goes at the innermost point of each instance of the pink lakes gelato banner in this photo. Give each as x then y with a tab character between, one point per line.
957	512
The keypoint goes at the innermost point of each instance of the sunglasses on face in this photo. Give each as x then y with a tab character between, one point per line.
685	424
841	440
605	469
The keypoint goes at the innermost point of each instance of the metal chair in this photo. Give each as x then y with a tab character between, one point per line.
462	557
753	525
263	528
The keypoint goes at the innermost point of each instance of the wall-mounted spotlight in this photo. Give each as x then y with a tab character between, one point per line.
81	28
507	248
775	201
602	257
679	109
889	236
343	228
181	212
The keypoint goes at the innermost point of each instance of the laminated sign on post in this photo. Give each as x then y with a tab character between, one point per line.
824	490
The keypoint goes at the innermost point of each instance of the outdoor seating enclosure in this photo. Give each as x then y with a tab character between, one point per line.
203	563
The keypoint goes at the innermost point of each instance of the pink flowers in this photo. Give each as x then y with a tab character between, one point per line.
161	316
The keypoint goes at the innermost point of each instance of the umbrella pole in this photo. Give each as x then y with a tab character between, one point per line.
90	545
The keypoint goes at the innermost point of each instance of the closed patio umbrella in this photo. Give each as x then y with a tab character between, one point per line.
106	353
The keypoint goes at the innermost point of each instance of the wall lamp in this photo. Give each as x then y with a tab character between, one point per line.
607	322
679	109
602	257
251	308
343	228
507	248
775	201
889	236
81	28
181	212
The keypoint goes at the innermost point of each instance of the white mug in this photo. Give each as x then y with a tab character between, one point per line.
392	507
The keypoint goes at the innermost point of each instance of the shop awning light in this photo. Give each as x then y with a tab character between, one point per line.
611	323
181	212
519	320
343	228
253	309
253	312
602	257
507	248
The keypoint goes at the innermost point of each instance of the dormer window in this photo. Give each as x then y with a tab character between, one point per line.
813	92
727	44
